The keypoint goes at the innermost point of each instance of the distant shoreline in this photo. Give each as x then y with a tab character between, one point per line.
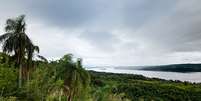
142	76
193	77
180	68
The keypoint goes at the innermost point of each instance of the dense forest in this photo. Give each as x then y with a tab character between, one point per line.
140	88
25	75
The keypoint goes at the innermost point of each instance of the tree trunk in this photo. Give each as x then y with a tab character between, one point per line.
20	76
28	78
60	95
70	97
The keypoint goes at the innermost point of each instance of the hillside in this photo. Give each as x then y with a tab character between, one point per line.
139	88
184	68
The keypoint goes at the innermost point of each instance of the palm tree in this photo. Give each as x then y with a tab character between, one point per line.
16	42
30	53
76	79
30	50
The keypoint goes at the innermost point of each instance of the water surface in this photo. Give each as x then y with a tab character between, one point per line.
190	77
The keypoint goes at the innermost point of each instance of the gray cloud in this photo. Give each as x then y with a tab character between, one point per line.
103	40
64	13
123	32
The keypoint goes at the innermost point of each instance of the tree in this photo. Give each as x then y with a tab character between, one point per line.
30	54
76	79
17	43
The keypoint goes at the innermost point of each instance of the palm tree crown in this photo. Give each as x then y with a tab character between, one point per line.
15	39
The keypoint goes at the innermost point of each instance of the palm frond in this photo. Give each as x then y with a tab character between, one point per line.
8	45
42	58
10	25
36	48
5	36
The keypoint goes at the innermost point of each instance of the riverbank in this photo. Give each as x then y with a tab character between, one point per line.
138	87
194	77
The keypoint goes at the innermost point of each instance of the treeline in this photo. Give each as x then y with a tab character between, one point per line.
184	68
59	80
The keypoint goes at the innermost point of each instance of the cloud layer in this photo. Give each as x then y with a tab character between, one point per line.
114	32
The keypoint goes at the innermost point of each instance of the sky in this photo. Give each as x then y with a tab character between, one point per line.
112	32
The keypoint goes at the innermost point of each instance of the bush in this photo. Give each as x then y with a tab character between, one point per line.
8	80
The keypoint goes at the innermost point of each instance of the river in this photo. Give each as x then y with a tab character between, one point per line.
190	77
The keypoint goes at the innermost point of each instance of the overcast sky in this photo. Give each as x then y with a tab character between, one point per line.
112	32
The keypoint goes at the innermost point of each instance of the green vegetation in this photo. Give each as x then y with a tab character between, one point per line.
25	77
184	68
16	41
140	88
37	79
